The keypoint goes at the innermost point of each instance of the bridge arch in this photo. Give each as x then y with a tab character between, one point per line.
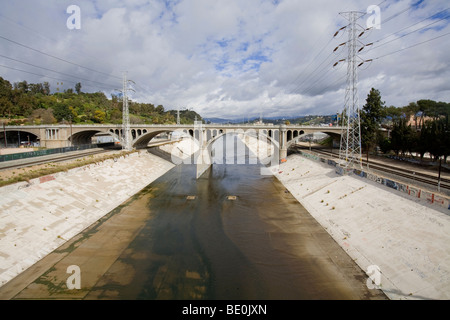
83	137
293	138
142	141
260	135
16	137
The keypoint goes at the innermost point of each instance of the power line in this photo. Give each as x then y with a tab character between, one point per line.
415	45
404	35
311	75
312	85
335	83
397	14
297	88
378	5
298	85
30	64
440	12
33	30
42	75
54	57
304	69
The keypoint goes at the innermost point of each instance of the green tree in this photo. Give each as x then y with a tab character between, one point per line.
22	86
371	115
99	116
116	116
46	86
5	97
445	138
439	138
401	136
62	111
78	87
423	141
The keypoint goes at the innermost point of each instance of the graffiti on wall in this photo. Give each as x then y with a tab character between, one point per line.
410	190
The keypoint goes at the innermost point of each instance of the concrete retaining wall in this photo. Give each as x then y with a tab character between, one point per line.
413	191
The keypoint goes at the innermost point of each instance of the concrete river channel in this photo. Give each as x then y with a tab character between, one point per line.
232	234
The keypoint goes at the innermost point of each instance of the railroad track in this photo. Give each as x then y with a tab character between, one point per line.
64	157
397	171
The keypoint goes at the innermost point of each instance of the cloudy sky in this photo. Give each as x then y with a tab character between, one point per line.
230	58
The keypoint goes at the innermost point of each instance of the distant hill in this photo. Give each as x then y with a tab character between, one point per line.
306	120
219	120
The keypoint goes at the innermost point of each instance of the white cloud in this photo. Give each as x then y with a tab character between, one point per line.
230	58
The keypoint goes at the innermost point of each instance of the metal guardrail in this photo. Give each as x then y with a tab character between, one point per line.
46	152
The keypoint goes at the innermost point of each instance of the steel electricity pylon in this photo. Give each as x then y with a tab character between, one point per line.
126	138
350	146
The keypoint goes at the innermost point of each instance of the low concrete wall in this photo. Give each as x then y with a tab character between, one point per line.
413	191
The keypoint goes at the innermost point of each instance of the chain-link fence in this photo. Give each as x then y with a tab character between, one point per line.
45	152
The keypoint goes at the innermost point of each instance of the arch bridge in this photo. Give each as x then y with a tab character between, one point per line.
56	136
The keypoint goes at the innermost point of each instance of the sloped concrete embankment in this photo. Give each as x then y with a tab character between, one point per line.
38	216
406	237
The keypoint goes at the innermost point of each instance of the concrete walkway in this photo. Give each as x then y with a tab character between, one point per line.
407	239
40	216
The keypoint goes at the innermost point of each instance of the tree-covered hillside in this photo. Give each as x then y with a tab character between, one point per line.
33	103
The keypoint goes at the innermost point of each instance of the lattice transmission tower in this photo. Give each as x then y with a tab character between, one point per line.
126	138
350	147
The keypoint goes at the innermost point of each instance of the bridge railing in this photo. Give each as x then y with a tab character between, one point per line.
212	125
46	152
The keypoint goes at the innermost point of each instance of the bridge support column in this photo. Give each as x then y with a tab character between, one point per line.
203	160
283	142
54	137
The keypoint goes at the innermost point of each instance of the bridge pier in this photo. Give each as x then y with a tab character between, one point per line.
203	161
283	142
54	137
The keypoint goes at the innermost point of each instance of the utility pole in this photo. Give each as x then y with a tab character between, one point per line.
350	147
178	117
4	133
71	135
439	174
